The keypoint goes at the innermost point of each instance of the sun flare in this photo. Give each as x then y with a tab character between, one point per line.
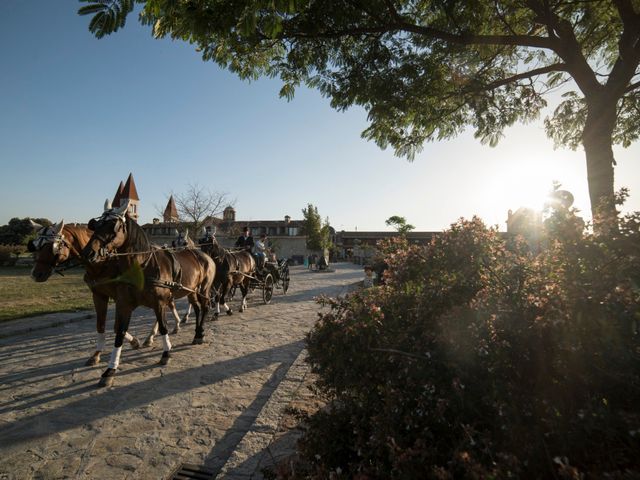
524	182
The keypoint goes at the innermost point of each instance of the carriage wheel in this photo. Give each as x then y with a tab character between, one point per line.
285	279
267	288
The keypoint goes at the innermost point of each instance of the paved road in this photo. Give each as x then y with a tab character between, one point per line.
213	405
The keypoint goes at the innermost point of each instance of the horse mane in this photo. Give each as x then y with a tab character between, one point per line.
137	240
77	235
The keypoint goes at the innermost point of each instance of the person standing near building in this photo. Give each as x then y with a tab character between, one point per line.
245	240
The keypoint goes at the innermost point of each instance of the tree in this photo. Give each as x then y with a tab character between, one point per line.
198	203
318	233
400	224
20	230
425	70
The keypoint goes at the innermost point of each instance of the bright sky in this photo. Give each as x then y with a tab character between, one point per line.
78	114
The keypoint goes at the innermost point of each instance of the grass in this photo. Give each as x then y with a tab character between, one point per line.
22	297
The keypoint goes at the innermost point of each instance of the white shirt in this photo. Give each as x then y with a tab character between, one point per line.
259	246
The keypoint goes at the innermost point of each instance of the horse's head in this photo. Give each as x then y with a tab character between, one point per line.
50	249
209	244
182	240
109	234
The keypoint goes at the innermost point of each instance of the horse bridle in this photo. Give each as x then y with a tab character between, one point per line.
54	238
103	252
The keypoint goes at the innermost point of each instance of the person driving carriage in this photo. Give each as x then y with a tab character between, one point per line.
245	240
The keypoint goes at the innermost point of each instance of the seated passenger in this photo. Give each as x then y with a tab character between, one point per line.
260	250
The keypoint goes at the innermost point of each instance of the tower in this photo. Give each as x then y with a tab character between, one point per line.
171	212
127	192
229	214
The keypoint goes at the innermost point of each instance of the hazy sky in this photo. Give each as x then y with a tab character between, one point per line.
78	114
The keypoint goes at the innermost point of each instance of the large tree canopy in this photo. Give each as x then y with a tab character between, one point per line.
424	70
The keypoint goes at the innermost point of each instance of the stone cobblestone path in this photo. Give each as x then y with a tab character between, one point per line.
215	404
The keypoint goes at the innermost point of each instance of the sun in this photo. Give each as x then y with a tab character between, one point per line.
522	182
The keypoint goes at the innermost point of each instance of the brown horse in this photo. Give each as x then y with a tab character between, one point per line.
58	247
232	268
164	276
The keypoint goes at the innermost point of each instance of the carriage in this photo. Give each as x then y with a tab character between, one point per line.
274	275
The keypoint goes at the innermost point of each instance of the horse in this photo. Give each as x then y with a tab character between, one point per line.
163	277
57	248
232	268
180	242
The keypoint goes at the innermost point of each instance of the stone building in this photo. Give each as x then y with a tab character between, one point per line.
360	247
284	236
127	192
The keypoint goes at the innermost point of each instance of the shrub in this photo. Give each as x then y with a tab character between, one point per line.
9	254
482	359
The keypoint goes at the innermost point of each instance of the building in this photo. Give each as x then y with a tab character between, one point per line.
360	247
285	236
127	192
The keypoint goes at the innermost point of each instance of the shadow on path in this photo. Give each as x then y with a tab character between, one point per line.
118	399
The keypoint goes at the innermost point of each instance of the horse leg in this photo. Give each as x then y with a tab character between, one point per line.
244	289
154	331
217	293
186	315
224	298
123	316
176	329
133	341
100	303
225	287
198	339
164	332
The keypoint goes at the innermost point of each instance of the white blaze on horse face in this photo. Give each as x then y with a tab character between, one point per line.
166	343
100	342
114	362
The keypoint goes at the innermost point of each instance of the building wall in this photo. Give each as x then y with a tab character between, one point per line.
285	246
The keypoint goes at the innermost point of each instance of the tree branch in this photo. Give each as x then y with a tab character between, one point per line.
630	18
555	67
632	87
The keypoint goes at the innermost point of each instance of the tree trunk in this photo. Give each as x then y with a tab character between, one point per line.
597	141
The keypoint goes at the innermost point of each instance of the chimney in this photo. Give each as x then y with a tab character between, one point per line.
287	219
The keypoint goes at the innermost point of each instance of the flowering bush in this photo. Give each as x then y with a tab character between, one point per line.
485	357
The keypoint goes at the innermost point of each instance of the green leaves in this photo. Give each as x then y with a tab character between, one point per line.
317	232
423	70
108	15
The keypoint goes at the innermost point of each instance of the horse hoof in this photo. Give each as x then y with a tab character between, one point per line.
135	343
175	331
229	312
106	382
92	361
198	341
164	360
108	377
148	342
